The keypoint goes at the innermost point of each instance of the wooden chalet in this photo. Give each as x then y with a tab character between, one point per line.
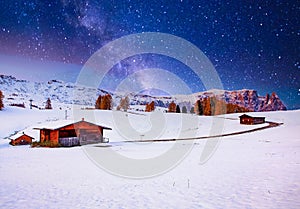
72	134
249	120
20	139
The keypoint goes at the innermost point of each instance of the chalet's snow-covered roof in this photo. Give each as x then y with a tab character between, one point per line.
53	125
249	116
17	135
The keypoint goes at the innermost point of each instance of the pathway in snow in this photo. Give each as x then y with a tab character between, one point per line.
271	125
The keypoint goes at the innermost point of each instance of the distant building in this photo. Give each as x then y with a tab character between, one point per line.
69	134
249	120
20	139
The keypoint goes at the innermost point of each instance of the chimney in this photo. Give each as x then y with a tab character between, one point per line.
82	119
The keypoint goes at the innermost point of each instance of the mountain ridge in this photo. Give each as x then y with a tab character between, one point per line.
60	92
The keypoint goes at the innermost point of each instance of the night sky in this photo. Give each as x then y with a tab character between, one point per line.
252	44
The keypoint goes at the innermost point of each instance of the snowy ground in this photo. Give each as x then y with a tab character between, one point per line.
254	170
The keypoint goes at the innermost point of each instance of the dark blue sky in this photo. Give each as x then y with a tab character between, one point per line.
252	44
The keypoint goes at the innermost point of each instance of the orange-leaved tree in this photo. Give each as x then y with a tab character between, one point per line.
104	102
172	107
150	107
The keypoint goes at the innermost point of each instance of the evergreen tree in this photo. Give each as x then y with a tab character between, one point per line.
267	98
48	104
177	109
184	109
198	108
1	100
192	111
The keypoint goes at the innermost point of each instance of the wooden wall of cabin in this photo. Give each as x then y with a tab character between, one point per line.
96	130
259	120
42	135
54	136
85	127
247	121
49	135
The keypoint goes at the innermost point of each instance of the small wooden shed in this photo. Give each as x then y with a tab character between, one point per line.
72	134
20	139
249	120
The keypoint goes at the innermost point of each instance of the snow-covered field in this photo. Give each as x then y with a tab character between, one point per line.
254	170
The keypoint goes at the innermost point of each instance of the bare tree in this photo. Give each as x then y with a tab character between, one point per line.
124	104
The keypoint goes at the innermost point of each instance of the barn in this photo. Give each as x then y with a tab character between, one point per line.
20	139
249	120
69	134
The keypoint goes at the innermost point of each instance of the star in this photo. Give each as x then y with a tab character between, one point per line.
246	41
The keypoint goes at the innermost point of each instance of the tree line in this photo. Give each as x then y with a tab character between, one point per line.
47	106
105	102
209	106
203	106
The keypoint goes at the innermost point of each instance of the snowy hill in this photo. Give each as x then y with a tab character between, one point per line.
21	91
252	170
62	94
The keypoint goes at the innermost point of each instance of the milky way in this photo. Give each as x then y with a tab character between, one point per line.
252	45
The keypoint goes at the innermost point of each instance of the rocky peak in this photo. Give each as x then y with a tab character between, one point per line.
20	91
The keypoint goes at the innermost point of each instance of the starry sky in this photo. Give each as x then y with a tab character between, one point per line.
252	44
